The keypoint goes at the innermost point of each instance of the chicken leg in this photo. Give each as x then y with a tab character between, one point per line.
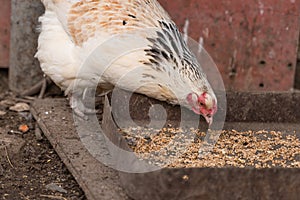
78	103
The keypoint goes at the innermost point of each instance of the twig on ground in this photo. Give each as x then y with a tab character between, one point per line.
53	197
24	100
24	197
7	157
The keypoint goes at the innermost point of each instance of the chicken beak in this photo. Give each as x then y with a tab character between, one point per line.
209	120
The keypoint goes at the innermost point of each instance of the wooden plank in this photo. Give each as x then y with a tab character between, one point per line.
24	69
97	181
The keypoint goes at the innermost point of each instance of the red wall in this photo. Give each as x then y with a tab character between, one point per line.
4	32
253	42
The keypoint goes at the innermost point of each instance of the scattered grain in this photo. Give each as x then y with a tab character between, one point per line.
178	148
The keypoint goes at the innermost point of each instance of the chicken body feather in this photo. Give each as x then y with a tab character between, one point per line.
134	45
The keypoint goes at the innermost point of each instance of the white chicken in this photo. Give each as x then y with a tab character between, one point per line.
162	67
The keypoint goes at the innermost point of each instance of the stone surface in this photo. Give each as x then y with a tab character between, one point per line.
24	69
214	183
240	107
222	183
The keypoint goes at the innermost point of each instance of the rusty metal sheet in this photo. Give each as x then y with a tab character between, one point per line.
4	33
254	43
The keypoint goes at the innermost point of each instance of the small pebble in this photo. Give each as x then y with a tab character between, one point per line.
20	107
55	188
7	103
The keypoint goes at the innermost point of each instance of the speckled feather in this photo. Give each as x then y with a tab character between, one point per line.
167	66
84	19
87	17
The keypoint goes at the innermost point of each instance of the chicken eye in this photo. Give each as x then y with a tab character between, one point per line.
201	104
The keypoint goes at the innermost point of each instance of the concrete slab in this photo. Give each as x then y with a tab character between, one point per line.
262	107
54	117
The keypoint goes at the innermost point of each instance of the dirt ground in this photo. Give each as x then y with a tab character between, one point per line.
29	167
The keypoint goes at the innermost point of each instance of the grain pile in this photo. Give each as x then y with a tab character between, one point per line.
171	147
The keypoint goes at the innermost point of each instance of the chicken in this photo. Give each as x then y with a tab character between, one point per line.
134	45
